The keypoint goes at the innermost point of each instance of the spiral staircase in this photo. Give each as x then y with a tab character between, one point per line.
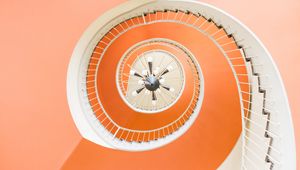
143	73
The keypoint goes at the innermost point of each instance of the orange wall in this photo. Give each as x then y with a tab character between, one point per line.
37	39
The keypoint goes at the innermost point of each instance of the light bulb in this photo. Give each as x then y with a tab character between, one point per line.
149	59
132	72
134	93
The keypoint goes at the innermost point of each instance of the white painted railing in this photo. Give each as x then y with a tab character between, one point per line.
267	134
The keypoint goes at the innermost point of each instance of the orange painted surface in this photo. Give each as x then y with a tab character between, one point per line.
112	101
37	39
125	116
107	90
212	136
